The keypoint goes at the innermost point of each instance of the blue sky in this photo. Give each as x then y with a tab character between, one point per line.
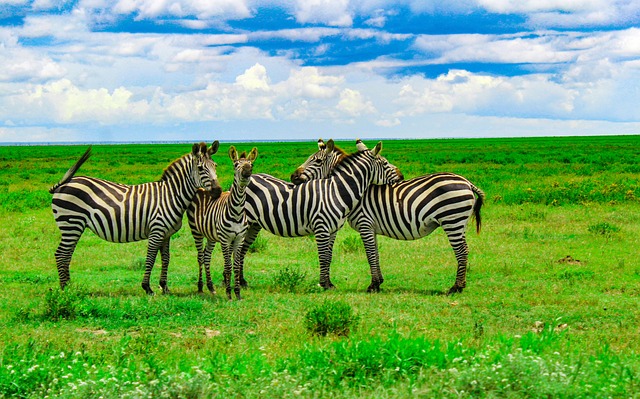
140	70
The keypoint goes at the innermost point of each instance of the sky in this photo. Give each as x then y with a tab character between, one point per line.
192	70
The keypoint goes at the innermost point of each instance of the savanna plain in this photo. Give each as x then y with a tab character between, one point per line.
551	308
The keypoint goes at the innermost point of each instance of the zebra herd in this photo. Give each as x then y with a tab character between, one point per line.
330	188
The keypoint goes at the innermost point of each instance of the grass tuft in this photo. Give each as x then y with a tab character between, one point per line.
331	317
289	279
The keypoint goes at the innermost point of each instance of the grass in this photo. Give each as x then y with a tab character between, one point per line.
550	308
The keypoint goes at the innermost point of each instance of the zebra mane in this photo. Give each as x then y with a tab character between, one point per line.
172	166
341	152
344	158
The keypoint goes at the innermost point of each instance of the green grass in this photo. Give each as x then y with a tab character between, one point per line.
550	308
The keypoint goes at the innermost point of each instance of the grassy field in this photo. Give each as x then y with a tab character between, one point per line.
550	308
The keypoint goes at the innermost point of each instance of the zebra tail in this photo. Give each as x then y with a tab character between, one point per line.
477	205
72	171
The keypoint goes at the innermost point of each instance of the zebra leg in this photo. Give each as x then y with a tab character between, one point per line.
324	241
63	256
226	274
459	245
373	257
165	256
206	259
198	239
152	252
249	238
236	275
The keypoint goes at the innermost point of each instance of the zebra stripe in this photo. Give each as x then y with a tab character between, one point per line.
125	213
406	210
318	207
222	220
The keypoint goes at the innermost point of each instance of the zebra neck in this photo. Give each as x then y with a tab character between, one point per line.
351	178
177	180
237	196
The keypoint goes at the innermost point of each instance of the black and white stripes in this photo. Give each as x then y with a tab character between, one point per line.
125	213
222	220
318	207
407	210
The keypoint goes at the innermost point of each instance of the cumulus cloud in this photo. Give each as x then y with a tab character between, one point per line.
353	103
330	12
254	78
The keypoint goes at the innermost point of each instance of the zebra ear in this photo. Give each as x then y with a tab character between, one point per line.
360	145
330	145
377	149
195	149
321	144
253	154
214	148
233	154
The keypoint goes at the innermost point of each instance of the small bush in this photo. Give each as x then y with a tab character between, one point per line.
603	229
259	245
60	304
331	317
289	279
352	244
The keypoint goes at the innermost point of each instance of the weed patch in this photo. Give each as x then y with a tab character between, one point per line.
59	304
352	244
331	317
259	245
289	279
604	229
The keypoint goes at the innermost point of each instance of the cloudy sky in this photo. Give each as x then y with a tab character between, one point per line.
147	70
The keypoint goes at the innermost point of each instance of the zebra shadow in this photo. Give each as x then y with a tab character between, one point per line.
415	291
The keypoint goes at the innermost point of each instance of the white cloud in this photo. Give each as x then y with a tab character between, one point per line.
144	9
331	12
567	13
353	103
254	78
309	82
388	122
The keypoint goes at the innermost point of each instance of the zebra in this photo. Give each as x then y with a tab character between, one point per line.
222	220
125	213
317	207
407	210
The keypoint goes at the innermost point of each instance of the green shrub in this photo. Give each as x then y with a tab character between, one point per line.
59	304
259	245
331	317
352	244
603	229
289	279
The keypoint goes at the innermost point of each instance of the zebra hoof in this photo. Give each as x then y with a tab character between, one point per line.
243	283
373	288
329	286
455	290
147	289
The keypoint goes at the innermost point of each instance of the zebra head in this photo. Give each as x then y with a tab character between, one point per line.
383	171
204	169
243	165
320	164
